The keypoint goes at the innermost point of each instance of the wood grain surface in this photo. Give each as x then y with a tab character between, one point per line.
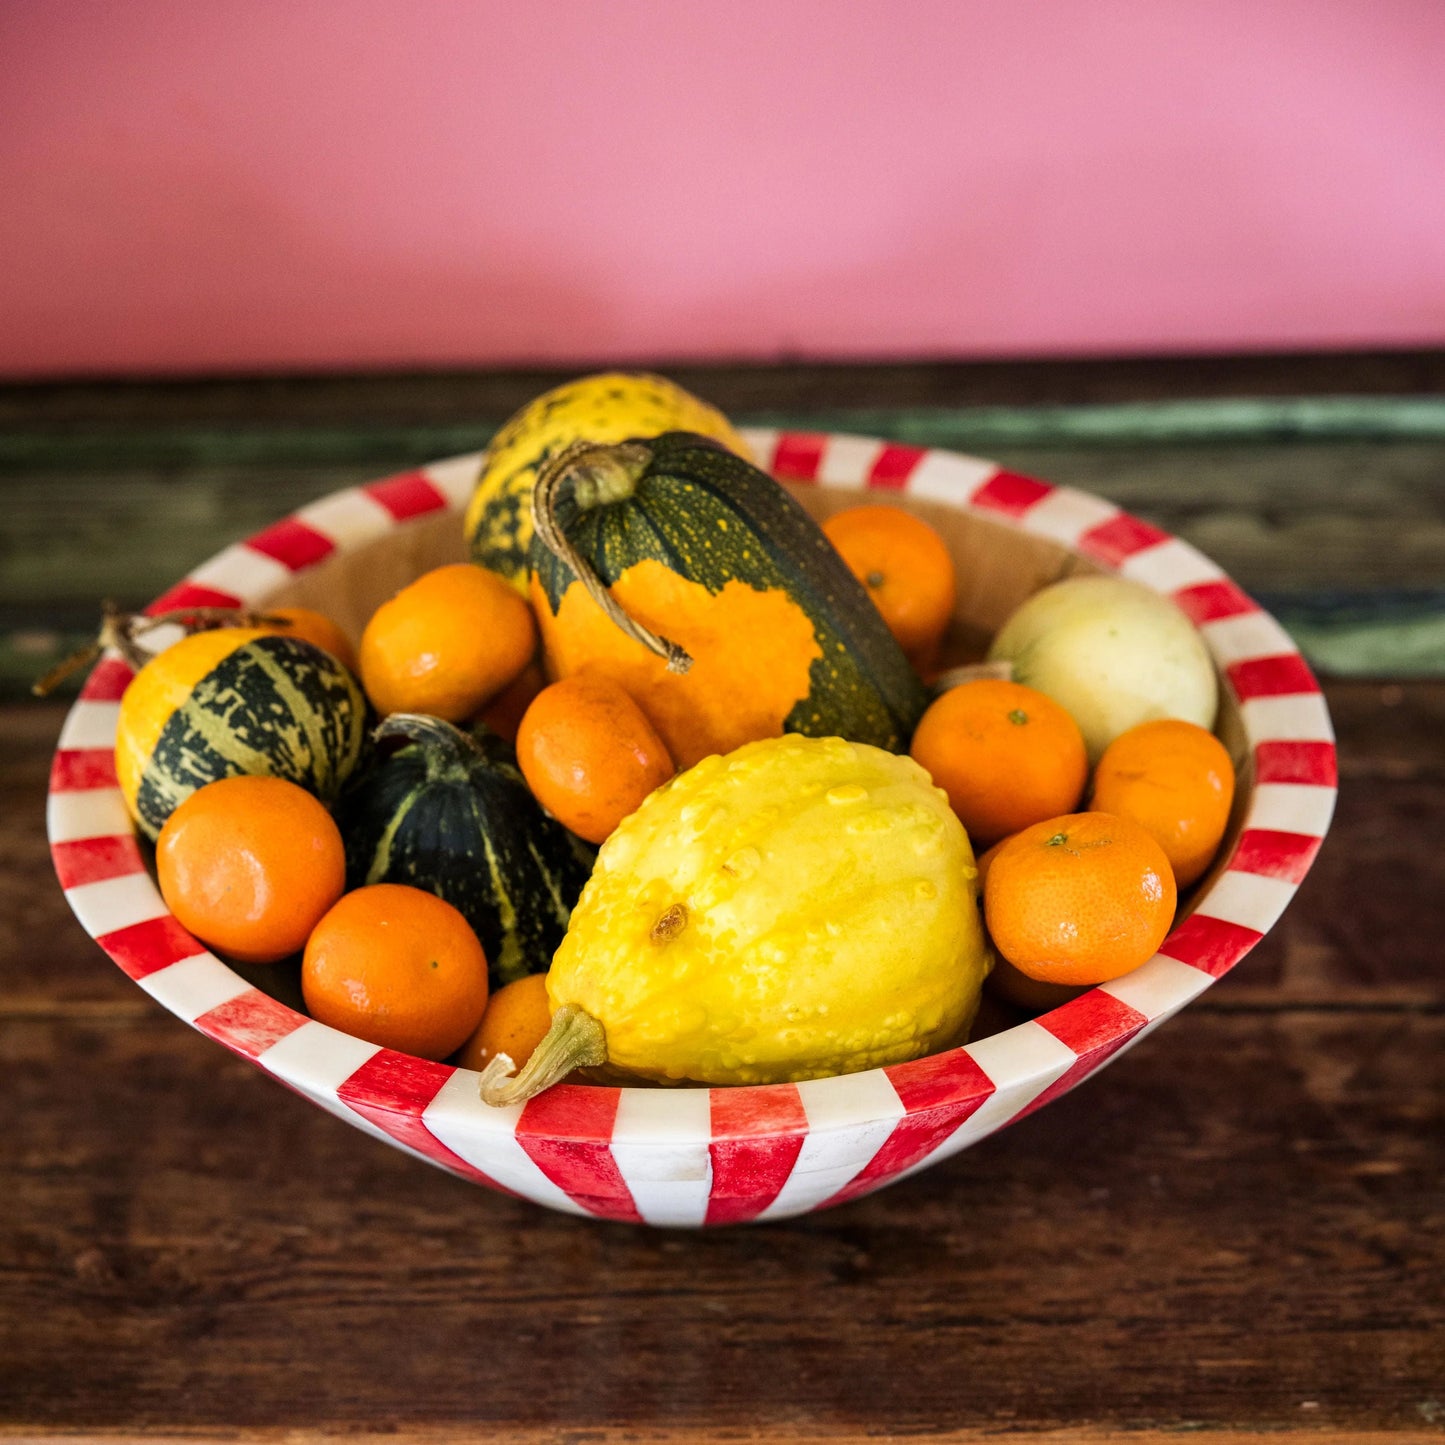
1237	1229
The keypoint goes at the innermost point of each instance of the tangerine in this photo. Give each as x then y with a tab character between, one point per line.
905	567
447	643
1006	755
315	627
517	1017
398	967
249	865
1176	779
589	754
1079	899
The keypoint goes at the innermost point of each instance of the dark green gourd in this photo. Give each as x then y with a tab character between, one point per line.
449	812
696	582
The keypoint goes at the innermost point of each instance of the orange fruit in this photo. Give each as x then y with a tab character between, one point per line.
517	1016
447	643
249	865
505	711
397	967
589	754
905	567
1177	780
316	627
1006	755
1079	899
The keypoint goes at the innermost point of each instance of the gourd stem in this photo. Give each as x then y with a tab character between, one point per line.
576	1040
121	632
598	475
455	746
999	669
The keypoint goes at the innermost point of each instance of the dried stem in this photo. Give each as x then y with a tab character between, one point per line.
598	475
121	632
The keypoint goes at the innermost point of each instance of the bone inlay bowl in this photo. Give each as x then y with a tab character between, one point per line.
691	1157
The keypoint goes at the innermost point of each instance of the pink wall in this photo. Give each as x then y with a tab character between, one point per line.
322	183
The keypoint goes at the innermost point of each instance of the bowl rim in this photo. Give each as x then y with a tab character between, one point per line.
922	1110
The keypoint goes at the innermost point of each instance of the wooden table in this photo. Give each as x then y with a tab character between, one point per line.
1238	1230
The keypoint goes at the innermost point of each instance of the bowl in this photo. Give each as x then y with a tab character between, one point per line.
696	1156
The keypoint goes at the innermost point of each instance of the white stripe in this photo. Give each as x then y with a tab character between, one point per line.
90	725
1169	566
1251	634
846	460
89	813
1160	988
317	1060
949	477
455	477
1249	899
762	442
1066	514
1291	808
849	1119
348	518
487	1139
251	576
194	986
1296	717
116	903
660	1142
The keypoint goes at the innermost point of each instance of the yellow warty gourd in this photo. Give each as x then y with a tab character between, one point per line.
612	406
798	908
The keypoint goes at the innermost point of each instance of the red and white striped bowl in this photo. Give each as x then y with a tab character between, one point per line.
692	1157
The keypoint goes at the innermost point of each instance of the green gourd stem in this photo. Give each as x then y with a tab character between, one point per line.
451	748
598	475
121	632
576	1040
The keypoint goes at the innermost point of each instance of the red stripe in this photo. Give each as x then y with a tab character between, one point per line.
1211	601
1275	854
1279	676
292	543
392	1090
798	455
939	1094
757	1136
1288	761
567	1132
1210	944
250	1023
895	464
1010	493
1120	537
81	770
409	495
91	860
146	948
1095	1026
191	594
108	680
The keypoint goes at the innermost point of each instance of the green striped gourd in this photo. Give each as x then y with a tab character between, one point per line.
449	812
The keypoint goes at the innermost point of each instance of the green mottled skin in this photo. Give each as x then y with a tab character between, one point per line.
450	812
276	706
711	517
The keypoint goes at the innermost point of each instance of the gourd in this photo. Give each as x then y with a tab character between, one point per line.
801	908
1113	652
609	407
449	812
235	700
697	583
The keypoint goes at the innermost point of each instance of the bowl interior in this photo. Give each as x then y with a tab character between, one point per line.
998	567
